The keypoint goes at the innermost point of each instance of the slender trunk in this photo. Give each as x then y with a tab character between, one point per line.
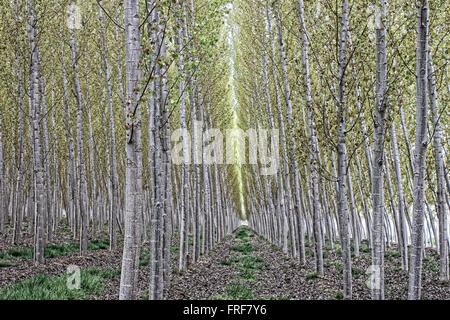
184	190
440	173
314	147
284	189
403	241
39	239
378	149
133	182
342	156
18	203
415	269
82	190
113	162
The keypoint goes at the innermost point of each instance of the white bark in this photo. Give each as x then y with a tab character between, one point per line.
440	173
39	240
113	162
342	203
415	270
403	241
81	170
378	148
133	182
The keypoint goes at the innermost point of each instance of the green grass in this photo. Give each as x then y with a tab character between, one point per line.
26	253
274	247
177	271
63	230
43	287
144	259
230	261
6	264
356	272
336	263
434	269
274	298
58	250
175	249
311	276
53	250
239	292
364	248
242	233
250	262
248	274
392	253
243	248
226	262
98	244
339	295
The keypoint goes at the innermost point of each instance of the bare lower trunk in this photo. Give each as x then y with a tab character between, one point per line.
113	162
342	203
133	182
415	269
184	190
81	170
440	173
314	147
39	240
378	149
403	240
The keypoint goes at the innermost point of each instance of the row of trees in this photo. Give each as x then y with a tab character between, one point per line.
91	94
345	74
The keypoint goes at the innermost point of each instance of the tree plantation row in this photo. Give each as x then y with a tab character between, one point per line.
347	78
92	92
86	141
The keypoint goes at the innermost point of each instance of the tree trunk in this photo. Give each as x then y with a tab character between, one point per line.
378	148
440	173
415	269
113	162
82	190
133	183
403	241
342	203
39	240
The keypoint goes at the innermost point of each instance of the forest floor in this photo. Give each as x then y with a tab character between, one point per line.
242	266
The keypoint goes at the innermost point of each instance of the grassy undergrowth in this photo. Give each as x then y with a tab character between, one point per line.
236	291
6	264
52	251
247	264
43	287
